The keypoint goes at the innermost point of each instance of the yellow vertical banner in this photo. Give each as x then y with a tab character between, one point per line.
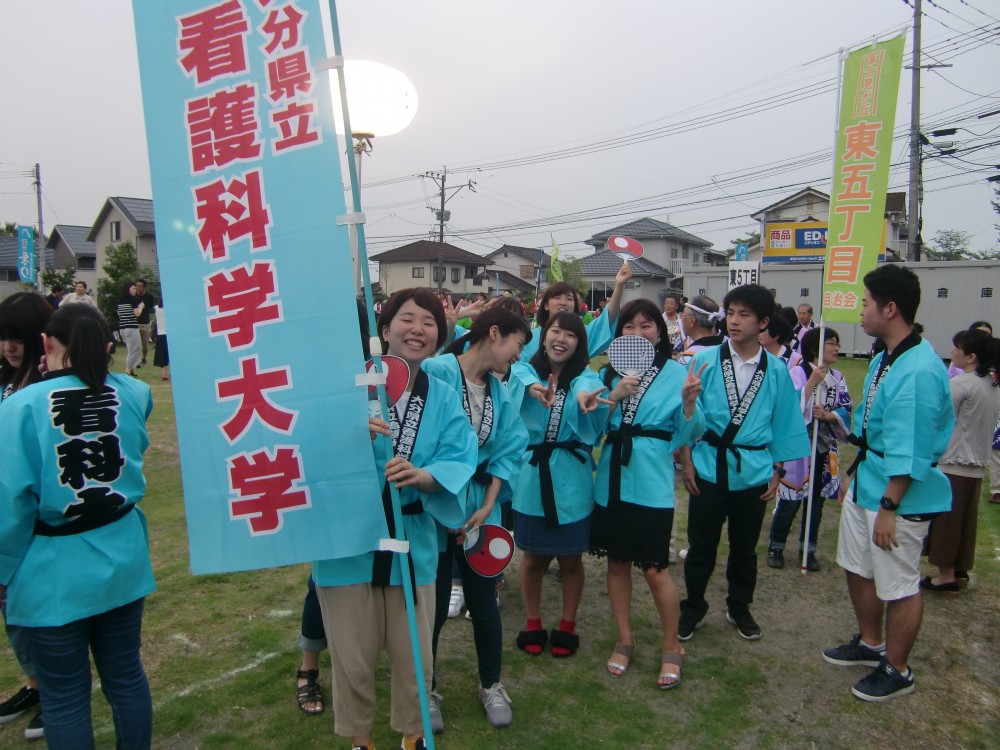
860	175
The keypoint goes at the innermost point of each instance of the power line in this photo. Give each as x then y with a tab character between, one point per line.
970	5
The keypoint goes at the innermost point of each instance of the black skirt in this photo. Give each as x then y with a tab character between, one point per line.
632	533
161	357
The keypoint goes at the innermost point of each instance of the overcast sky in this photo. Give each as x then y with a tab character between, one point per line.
701	88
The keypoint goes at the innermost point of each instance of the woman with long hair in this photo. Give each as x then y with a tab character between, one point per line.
130	307
951	542
564	414
23	317
470	365
634	490
562	297
430	458
76	556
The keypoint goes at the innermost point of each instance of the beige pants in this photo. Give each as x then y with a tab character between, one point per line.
144	338
360	621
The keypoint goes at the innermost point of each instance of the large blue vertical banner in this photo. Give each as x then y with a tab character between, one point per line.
264	336
26	254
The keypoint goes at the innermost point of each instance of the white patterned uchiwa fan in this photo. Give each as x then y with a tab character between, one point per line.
631	355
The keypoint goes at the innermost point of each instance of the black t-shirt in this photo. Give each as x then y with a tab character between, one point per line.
150	302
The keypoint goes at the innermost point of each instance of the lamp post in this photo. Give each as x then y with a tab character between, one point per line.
382	101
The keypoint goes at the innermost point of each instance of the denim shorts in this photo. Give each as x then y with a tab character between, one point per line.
532	535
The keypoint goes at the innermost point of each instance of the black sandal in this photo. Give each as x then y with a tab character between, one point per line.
311	692
532	638
564	640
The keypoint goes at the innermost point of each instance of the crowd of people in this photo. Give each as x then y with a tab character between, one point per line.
498	424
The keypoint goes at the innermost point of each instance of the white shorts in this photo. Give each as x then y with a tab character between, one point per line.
896	573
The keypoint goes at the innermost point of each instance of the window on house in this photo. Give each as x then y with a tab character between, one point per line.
528	271
9	275
631	284
470	272
684	254
943	293
418	272
774	293
673	253
86	264
116	231
695	259
702	292
987	292
804	292
456	275
440	275
478	281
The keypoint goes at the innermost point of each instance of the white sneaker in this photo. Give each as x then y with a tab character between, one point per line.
498	706
457	601
683	554
434	709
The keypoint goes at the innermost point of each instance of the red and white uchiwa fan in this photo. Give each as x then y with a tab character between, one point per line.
489	549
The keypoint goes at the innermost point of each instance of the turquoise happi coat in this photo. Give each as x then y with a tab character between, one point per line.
445	446
642	465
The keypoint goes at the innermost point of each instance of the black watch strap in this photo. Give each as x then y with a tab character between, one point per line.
887	503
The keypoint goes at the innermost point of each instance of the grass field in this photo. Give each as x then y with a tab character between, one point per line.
221	655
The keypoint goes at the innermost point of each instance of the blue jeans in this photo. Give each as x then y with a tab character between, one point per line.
312	636
62	661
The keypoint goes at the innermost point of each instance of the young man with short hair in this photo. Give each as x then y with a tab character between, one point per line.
149	302
902	424
753	425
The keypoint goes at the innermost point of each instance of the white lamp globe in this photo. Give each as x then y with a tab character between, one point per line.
381	100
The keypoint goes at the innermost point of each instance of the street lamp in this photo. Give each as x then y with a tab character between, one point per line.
381	101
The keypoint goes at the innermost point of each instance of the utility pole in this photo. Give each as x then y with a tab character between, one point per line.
442	215
39	240
913	219
444	176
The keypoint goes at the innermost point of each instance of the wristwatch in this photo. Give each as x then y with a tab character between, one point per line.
888	504
780	470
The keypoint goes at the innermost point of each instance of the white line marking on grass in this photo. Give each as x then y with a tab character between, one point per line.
221	678
184	640
280	613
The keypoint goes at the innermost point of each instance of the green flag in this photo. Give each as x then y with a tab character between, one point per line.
860	175
555	265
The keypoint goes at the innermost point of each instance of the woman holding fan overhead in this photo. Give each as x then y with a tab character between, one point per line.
492	345
564	414
562	297
656	412
430	458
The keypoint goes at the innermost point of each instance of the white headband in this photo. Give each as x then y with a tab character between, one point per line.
712	316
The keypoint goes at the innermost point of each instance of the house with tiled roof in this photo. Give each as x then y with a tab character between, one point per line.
521	263
70	247
125	220
668	246
438	265
649	279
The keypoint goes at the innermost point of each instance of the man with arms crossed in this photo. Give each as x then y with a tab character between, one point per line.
902	423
